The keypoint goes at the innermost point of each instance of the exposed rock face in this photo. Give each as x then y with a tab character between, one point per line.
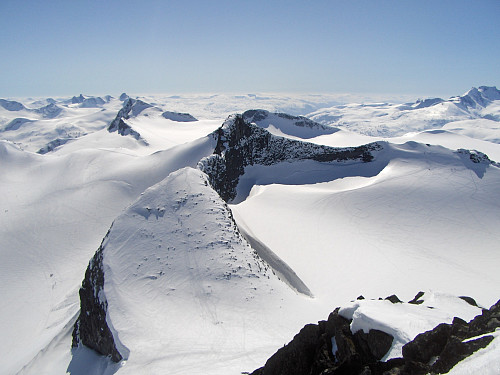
77	99
476	97
91	329
179	117
330	348
130	107
240	144
451	343
52	145
123	97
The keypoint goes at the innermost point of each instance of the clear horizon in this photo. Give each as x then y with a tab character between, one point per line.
394	48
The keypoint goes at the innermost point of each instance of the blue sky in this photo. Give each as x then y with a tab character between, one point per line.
431	48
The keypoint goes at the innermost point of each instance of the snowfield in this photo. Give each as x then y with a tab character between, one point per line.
197	285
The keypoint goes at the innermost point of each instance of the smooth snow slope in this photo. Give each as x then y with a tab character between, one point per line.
428	220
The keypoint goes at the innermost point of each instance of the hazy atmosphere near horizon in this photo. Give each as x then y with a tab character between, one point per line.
249	187
427	48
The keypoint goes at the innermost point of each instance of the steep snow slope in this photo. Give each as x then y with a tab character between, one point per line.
180	280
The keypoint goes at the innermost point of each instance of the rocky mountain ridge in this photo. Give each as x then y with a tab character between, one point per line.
240	144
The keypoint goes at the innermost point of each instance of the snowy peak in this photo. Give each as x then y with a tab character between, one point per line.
424	103
49	111
477	97
123	97
131	108
177	244
297	126
90	101
77	99
240	144
11	105
489	92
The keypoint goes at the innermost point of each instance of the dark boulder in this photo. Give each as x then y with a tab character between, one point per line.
338	351
416	300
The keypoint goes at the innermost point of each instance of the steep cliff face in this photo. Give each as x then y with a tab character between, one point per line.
131	107
240	144
91	328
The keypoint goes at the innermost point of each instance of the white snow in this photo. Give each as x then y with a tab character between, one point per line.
405	321
421	216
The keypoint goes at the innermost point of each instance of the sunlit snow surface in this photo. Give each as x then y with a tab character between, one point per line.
421	216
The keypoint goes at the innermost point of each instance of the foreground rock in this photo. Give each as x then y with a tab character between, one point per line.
330	347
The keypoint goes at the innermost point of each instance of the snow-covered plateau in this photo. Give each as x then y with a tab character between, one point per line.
198	234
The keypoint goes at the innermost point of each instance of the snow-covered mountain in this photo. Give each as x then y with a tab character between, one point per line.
212	242
479	106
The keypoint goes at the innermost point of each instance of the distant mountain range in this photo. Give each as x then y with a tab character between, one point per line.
141	239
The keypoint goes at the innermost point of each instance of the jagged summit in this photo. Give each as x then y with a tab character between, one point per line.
123	97
77	99
131	108
240	143
476	97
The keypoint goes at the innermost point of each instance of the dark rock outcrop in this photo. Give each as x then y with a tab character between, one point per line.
52	145
179	117
331	348
240	144
77	99
416	300
393	298
91	328
131	107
